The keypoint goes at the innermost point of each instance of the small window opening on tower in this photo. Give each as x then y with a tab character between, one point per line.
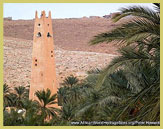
51	51
48	24
39	24
51	55
35	64
41	73
38	34
36	60
48	35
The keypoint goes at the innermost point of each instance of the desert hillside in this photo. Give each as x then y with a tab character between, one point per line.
69	34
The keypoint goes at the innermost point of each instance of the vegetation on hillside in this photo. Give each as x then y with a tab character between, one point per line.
128	89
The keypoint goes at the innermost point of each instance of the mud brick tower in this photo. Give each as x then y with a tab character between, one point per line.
43	74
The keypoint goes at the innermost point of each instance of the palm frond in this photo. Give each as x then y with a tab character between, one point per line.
131	31
128	55
141	12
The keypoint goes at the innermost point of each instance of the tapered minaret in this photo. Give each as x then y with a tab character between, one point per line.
43	74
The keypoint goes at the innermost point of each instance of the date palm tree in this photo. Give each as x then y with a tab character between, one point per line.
20	94
46	102
6	96
70	81
141	34
140	40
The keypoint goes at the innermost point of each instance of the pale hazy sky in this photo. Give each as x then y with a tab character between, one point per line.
64	10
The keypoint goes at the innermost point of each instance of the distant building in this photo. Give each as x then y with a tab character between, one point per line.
8	18
111	15
94	17
107	16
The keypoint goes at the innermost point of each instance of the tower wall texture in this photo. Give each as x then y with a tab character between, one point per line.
43	74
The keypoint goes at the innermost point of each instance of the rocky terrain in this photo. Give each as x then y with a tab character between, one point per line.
73	54
18	56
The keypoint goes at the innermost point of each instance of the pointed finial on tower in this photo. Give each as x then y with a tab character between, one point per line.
49	14
36	16
42	14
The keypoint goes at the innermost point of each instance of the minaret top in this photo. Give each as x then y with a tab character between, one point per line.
49	14
43	14
36	15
